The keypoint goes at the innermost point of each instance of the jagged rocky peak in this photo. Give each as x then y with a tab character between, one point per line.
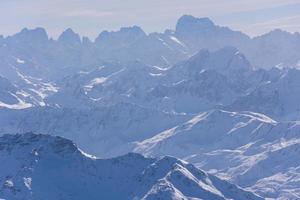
38	34
69	36
236	60
125	33
188	23
227	58
136	30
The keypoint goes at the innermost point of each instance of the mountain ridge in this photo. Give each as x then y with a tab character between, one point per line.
29	157
211	36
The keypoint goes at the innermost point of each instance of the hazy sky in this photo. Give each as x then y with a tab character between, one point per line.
89	17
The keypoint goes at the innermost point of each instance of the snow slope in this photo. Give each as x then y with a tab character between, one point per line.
250	149
104	131
47	167
278	97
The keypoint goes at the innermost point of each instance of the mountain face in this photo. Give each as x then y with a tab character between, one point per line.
69	37
199	33
46	167
266	51
278	98
250	149
276	48
9	96
203	93
105	131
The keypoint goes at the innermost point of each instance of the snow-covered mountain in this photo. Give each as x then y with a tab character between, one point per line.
104	131
204	93
206	80
279	97
277	47
11	96
47	167
122	107
34	54
250	149
199	33
24	93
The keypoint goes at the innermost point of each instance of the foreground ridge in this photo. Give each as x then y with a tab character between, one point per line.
36	166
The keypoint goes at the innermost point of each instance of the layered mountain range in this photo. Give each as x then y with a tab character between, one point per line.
206	94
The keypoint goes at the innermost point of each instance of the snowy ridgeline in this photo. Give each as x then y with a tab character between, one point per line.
47	167
206	94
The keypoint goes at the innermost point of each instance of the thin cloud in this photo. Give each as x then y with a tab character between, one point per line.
88	13
290	23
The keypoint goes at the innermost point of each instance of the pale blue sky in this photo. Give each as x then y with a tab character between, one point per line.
90	17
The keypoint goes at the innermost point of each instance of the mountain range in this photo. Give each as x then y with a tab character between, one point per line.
214	97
